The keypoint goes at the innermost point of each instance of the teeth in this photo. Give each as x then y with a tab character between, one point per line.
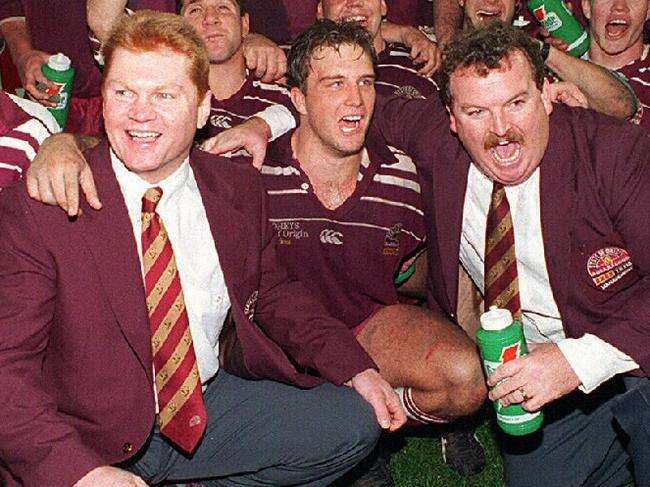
352	118
506	160
143	135
356	18
486	14
618	22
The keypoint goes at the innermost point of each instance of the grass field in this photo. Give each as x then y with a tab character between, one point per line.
417	461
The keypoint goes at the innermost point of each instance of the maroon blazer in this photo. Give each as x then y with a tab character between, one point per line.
595	209
75	353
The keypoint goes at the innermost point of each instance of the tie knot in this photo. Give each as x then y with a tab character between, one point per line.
150	200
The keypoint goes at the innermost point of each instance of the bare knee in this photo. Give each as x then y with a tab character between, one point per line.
463	381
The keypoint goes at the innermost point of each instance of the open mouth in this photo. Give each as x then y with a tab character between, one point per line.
616	28
350	123
488	16
506	152
357	19
141	136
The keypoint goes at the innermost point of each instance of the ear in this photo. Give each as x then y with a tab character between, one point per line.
586	8
319	11
384	8
245	25
298	100
461	3
452	120
546	97
204	110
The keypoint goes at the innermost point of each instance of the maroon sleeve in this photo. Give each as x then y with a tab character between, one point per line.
11	8
300	324
419	127
620	154
37	444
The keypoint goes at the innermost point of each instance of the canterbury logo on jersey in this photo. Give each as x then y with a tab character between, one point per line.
221	121
331	237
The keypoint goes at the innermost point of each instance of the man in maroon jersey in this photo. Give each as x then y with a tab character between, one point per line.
236	94
616	29
603	90
397	73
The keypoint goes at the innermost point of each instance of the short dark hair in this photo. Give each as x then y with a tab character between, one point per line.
324	33
485	48
241	3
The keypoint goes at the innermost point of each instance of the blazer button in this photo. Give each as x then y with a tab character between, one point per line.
127	447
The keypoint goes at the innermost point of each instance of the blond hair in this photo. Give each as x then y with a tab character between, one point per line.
147	31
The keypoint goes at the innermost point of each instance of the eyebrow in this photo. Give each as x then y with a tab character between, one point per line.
340	76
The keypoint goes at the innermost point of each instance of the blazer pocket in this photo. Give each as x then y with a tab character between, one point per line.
605	267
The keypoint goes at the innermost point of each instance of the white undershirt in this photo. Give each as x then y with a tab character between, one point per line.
204	288
593	360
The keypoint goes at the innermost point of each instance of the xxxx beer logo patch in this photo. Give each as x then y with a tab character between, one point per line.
608	265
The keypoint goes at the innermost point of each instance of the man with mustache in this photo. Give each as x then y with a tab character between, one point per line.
573	188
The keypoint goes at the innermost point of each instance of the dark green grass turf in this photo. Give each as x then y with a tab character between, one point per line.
417	461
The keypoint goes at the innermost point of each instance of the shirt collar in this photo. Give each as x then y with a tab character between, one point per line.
134	187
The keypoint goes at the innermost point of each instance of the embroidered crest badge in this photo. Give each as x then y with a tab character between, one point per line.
608	265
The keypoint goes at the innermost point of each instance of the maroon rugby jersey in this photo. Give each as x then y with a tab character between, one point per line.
23	127
253	97
638	77
349	256
397	75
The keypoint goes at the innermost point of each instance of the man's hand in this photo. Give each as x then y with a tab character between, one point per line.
264	57
534	380
252	136
423	51
29	69
58	170
567	93
556	42
381	396
110	477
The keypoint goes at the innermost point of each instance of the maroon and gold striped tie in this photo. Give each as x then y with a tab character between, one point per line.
501	279
182	413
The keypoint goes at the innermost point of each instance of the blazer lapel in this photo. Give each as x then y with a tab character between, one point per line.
225	220
109	235
557	201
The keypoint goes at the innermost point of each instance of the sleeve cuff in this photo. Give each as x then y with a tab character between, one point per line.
594	360
279	119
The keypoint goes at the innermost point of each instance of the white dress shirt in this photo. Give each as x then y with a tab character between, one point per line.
593	360
204	288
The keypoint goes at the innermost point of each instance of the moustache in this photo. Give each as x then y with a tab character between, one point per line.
493	140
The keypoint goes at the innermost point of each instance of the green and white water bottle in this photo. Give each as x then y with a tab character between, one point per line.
501	339
60	73
561	24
